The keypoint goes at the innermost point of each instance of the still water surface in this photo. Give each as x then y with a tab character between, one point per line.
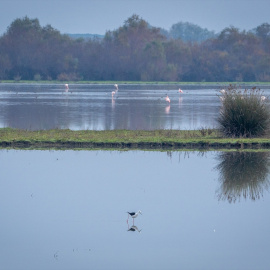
86	106
67	210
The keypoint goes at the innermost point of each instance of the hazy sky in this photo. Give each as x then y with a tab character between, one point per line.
98	16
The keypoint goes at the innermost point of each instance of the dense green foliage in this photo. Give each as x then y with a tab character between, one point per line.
244	114
134	52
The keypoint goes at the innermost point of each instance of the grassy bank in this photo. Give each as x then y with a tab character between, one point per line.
119	139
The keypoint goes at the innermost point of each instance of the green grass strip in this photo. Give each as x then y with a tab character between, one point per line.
130	139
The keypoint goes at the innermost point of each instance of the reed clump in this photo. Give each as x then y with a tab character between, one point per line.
244	113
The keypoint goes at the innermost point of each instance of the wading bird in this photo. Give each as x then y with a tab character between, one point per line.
180	90
66	86
134	215
116	86
167	99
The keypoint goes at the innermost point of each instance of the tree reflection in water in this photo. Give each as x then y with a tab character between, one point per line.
243	175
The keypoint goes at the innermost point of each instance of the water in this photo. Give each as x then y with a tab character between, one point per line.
67	210
43	106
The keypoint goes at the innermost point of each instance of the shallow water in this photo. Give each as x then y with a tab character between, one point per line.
47	106
67	210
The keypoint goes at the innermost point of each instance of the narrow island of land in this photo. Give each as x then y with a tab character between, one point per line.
126	139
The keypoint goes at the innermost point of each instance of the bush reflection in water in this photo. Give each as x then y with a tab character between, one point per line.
243	175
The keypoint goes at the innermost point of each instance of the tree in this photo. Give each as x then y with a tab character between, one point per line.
189	32
125	47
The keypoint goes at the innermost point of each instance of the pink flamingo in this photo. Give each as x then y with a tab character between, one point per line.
167	99
113	93
180	90
66	86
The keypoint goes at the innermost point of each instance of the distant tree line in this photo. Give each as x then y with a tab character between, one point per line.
135	52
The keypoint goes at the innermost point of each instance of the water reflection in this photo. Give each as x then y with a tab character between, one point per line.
243	175
167	109
180	100
133	228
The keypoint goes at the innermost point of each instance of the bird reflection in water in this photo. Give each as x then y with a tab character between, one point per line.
180	101
167	109
133	228
113	102
243	175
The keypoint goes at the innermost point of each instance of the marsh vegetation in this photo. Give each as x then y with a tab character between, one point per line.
244	113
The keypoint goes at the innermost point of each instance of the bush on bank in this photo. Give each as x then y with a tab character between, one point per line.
244	113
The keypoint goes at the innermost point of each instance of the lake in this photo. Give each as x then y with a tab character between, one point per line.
92	106
68	210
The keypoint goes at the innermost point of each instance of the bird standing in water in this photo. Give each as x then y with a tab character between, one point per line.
167	99
134	215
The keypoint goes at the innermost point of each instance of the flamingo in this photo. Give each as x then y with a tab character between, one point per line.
134	215
167	99
113	93
116	86
66	85
180	90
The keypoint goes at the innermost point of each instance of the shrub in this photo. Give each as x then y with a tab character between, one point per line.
244	113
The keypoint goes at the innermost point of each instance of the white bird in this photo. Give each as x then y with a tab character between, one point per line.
66	86
116	86
167	99
134	215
